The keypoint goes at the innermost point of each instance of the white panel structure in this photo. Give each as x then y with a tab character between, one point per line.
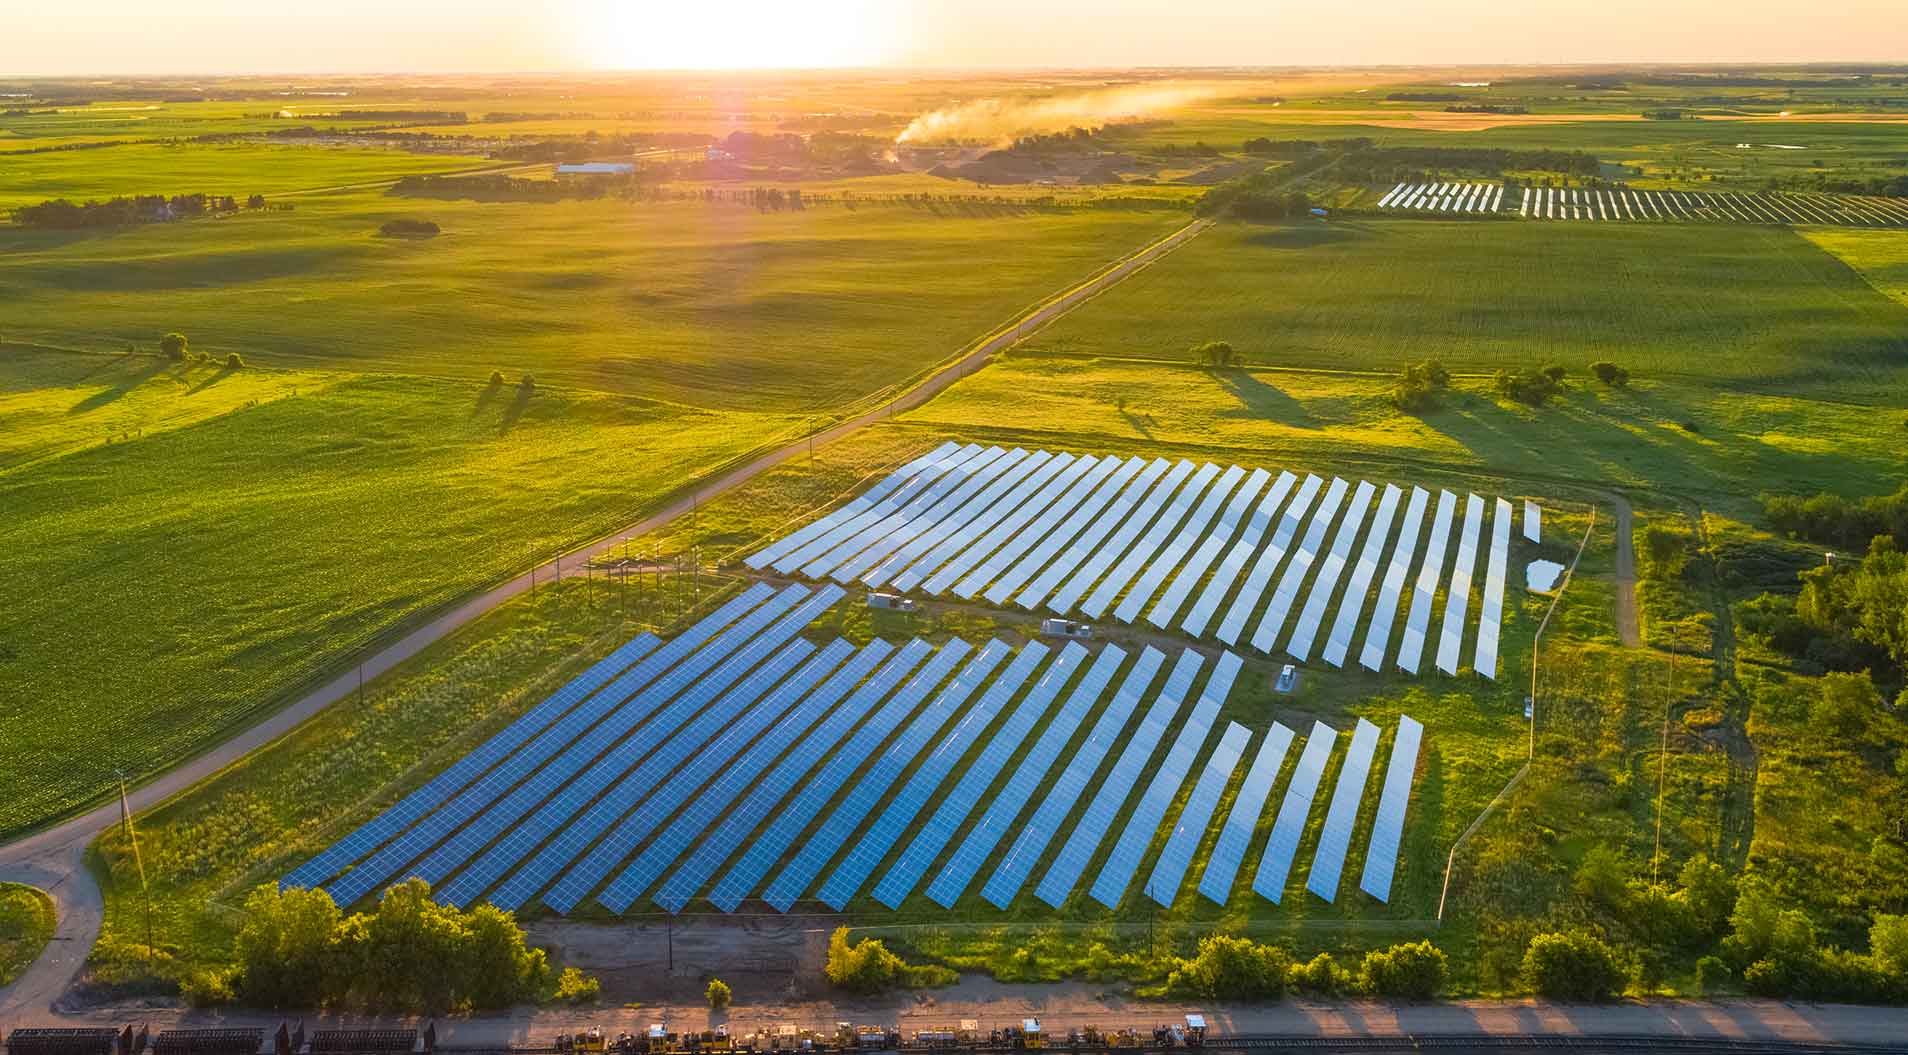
1222	868
1533	522
1167	496
849	510
914	493
1027	524
936	502
1457	599
1385	612
1490	618
1080	512
1163	560
1275	864
1325	584
1228	571
1195	567
980	490
909	561
1363	573
1087	542
1418	622
1146	548
1261	574
1328	859
1286	595
1169	869
1381	856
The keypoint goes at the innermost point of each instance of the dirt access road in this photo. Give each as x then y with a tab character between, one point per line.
1628	627
53	859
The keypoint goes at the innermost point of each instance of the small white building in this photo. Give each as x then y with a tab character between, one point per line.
597	168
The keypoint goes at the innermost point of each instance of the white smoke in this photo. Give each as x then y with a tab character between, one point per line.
1001	121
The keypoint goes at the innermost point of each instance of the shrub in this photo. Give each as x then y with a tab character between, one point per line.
718	994
1711	974
1531	387
1571	966
1408	971
207	987
1888	944
1556	372
409	229
526	386
496	377
575	987
1232	969
1320	977
1418	384
1215	353
868	967
1689	426
1610	373
234	361
173	346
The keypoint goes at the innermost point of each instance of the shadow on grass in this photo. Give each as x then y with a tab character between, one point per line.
486	397
1306	235
224	371
1260	400
514	411
114	391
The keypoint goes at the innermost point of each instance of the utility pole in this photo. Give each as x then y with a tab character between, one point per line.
1662	771
132	840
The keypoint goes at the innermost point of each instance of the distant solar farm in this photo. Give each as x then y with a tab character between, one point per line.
1624	204
749	761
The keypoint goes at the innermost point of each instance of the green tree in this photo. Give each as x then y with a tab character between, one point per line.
1216	354
1610	374
863	967
1571	966
1888	944
718	994
287	948
1228	968
1409	971
174	346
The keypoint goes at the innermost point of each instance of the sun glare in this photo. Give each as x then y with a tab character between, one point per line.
737	34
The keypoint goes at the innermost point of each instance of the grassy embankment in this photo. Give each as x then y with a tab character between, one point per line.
26	925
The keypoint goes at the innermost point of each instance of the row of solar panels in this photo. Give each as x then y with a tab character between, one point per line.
1106	536
1557	203
806	769
1445	197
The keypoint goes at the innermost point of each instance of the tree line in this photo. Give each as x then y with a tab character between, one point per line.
64	215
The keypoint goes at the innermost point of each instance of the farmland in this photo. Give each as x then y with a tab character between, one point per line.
193	541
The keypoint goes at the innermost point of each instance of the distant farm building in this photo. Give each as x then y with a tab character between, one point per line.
597	168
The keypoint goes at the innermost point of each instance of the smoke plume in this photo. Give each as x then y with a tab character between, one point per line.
1001	121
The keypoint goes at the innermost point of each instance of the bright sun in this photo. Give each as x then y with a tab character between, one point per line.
736	34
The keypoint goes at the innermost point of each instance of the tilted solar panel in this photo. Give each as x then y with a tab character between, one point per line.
1149	813
989	556
1019	790
1276	610
1227	573
1194	567
1328	859
1095	821
1345	624
1533	522
1080	512
1325	583
917	494
1268	561
840	825
1491	616
1080	547
950	505
849	510
995	516
1162	497
1418	622
1169	870
954	807
1275	864
1235	836
1029	473
1457	598
1147	547
1381	857
1385	612
843	763
1171	554
867	852
1067	790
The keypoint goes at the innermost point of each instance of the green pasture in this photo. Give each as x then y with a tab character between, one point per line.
1743	308
709	304
26	925
236	169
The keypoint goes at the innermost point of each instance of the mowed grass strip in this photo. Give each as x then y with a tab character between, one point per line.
162	590
1737	307
711	304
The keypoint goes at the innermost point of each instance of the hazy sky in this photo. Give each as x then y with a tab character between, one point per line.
185	36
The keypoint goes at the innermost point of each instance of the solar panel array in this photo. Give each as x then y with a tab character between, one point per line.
1626	205
1387	828
1169	869
1280	564
1328	859
1235	836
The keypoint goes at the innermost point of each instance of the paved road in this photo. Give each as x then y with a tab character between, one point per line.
53	859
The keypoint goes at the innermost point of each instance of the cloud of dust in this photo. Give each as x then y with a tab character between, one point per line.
1000	121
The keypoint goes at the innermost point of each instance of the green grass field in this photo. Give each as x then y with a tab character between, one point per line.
1746	308
26	925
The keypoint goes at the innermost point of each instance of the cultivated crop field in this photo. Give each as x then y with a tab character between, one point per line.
1756	308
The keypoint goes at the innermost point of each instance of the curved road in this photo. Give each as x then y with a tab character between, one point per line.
54	859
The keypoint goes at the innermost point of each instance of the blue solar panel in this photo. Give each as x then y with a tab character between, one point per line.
954	808
1385	612
1491	616
845	563
1381	857
1457	597
621	738
1325	583
974	509
385	863
1118	785
1020	787
840	768
1328	858
1346	623
1123	862
835	831
713	739
916	495
1160	561
776	783
849	510
1195	566
1082	546
1228	570
953	542
375	832
1276	863
893	821
1101	555
822	555
731	781
1222	868
1065	527
1280	605
1260	576
1169	871
1171	516
1018	532
1067	789
1418	620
